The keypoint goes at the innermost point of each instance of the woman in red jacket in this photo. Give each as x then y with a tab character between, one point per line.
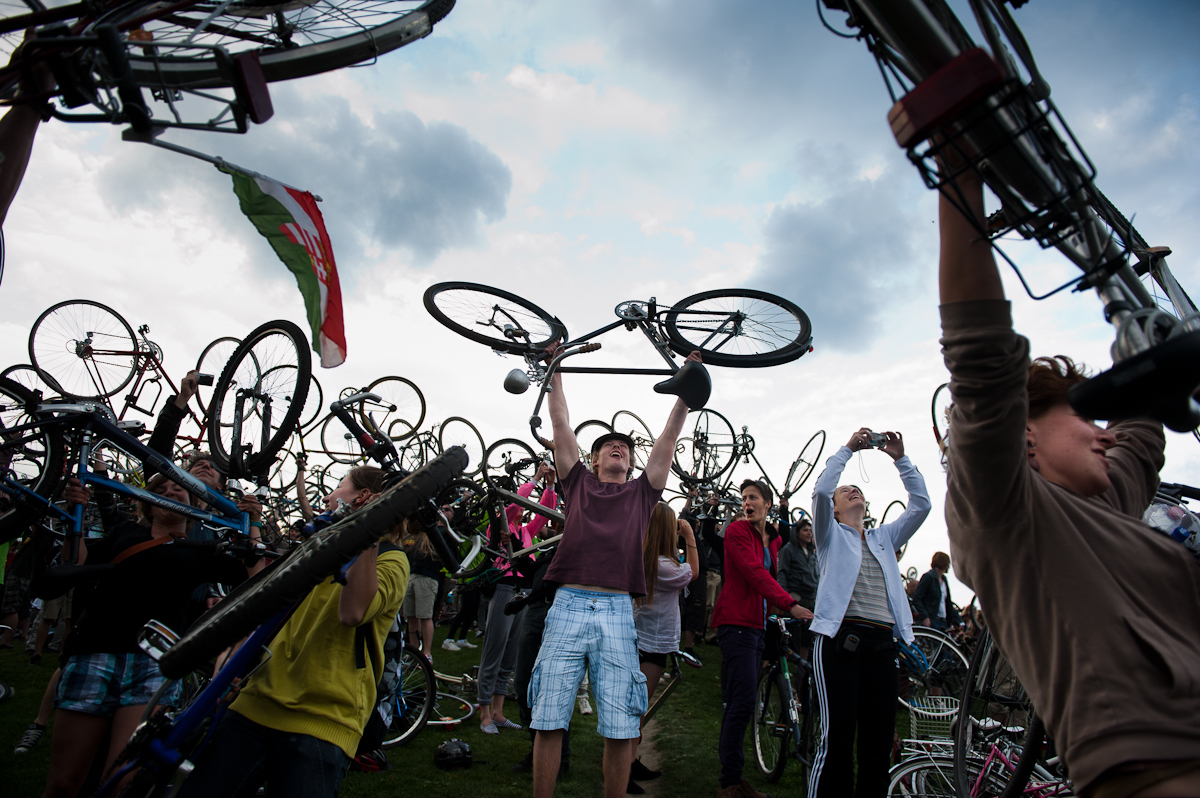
749	591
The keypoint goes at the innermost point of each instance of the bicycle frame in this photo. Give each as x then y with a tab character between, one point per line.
668	686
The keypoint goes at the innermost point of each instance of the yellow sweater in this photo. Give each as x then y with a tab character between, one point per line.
312	683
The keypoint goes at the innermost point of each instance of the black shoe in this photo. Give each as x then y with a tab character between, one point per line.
640	771
525	765
35	659
634	788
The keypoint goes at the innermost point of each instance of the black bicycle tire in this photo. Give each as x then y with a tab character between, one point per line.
585	452
771	682
727	463
811	463
280	62
477	461
261	460
259	598
214	367
418	661
31	379
18	517
648	441
336	453
946	674
311	403
791	344
51	379
556	330
492	480
370	425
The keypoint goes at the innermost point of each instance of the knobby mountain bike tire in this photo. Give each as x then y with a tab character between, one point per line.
457	431
85	348
272	590
33	458
772	726
738	327
413	701
256	367
493	316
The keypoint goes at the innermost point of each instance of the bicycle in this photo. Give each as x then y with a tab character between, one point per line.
736	327
932	665
965	109
670	683
785	712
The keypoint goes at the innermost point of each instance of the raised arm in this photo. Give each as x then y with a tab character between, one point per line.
306	510
823	488
919	505
967	267
566	448
658	464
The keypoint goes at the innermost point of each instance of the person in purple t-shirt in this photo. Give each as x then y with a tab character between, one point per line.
598	567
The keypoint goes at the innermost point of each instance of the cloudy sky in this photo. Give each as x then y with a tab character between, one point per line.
586	153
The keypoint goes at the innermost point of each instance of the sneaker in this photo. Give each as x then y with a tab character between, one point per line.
463	643
634	788
450	645
640	771
479	633
585	706
29	739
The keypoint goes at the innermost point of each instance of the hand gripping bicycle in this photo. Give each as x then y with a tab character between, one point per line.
965	109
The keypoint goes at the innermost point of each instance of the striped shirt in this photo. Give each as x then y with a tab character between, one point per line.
869	599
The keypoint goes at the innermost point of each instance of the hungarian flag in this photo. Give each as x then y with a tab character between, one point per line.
290	220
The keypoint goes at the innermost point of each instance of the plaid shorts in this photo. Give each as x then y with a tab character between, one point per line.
16	597
595	630
100	684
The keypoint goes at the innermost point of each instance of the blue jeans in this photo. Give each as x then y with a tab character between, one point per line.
242	755
741	652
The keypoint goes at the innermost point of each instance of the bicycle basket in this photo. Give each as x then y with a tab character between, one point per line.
931	716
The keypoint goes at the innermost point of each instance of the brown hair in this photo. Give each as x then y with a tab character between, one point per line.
1049	380
368	477
941	560
659	542
196	456
763	490
145	507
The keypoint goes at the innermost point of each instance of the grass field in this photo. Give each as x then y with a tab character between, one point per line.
685	743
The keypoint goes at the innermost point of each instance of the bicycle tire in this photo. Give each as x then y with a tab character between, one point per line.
586	434
272	590
312	38
468	308
211	362
418	451
939	409
402	401
255	365
768	329
33	380
312	403
772	727
922	777
709	451
450	710
500	461
643	438
338	444
804	463
36	464
63	348
946	674
465	434
414	698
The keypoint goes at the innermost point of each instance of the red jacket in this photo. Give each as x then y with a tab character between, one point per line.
747	582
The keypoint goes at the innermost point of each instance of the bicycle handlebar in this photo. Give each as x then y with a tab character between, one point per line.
353	399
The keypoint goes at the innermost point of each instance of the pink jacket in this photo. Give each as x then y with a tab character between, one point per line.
523	536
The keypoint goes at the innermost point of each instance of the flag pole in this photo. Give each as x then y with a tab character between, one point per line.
151	138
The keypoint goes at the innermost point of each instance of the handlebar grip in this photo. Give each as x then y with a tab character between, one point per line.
353	399
592	347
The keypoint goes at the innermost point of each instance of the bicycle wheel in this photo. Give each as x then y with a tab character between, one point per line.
211	362
923	777
293	40
772	727
643	439
457	431
339	444
273	397
418	451
586	434
940	409
312	403
739	327
274	589
33	380
85	348
509	463
450	710
804	463
709	448
492	316
402	401
945	675
412	697
33	457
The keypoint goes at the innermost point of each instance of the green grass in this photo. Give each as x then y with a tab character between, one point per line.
688	726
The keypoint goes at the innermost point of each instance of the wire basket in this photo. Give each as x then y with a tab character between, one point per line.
931	716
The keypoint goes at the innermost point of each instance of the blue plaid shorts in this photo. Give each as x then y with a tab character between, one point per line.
595	630
100	684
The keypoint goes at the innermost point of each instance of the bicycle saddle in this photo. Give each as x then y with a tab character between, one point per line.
691	384
1160	383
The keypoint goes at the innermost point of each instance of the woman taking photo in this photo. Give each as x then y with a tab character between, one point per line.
748	594
861	604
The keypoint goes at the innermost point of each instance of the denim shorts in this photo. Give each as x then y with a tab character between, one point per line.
595	630
100	684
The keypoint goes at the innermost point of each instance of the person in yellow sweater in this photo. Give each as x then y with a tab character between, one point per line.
297	722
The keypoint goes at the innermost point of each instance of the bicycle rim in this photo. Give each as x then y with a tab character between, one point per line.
708	450
402	401
33	458
771	726
84	347
272	365
805	462
212	362
944	678
586	434
413	702
508	463
338	444
924	777
450	710
270	591
293	38
742	328
643	439
493	316
457	431
32	380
